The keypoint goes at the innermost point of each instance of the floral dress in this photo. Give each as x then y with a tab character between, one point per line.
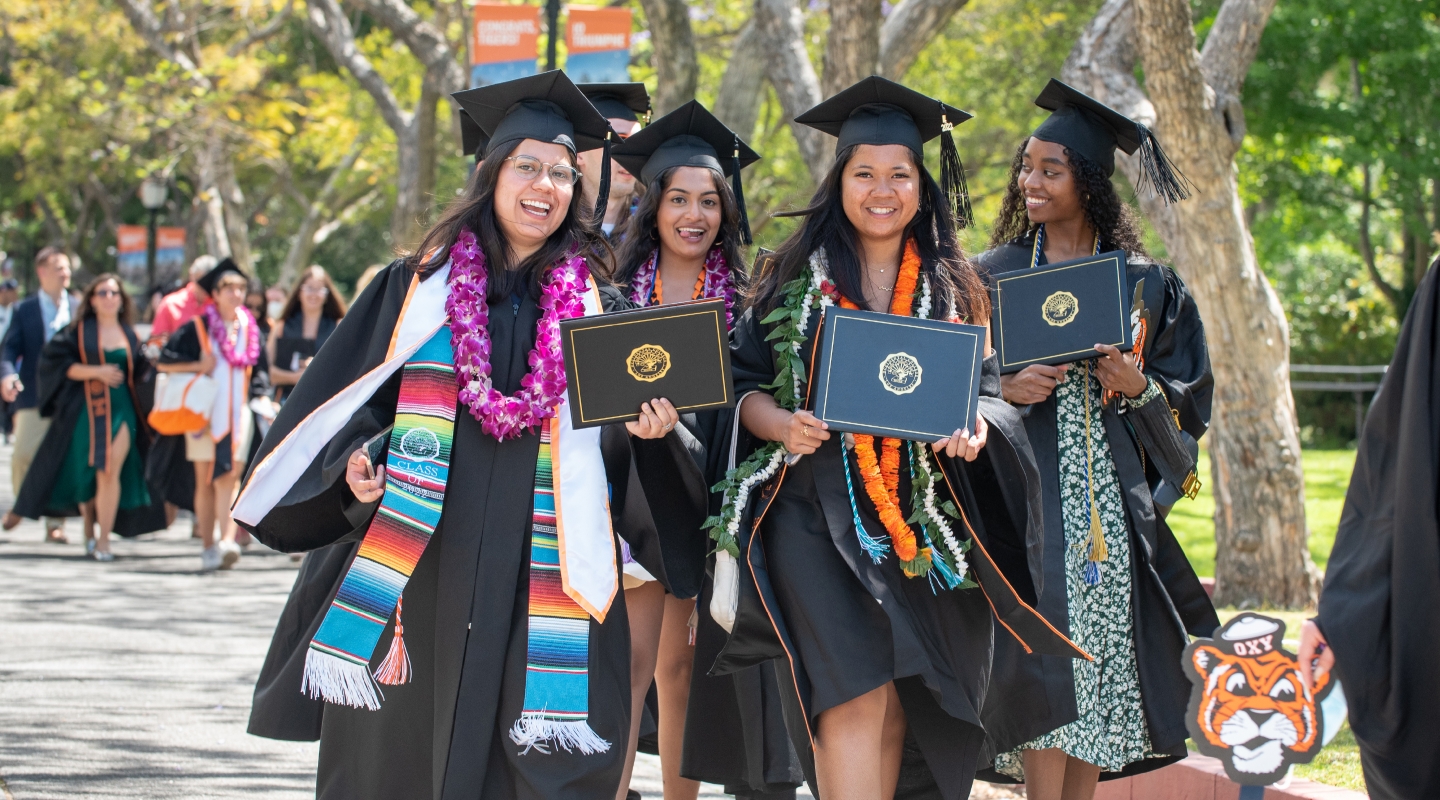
1110	730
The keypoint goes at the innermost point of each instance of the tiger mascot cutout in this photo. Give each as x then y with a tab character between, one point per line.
1248	706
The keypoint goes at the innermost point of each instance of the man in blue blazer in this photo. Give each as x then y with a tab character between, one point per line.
35	320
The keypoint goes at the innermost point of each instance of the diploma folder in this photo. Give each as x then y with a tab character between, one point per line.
1057	313
897	377
616	361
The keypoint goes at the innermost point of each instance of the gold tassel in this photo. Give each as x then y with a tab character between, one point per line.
1098	551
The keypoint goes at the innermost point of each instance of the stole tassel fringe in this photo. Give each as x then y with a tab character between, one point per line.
534	731
395	669
336	680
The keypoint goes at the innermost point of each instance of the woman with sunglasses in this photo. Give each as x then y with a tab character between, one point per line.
93	455
309	316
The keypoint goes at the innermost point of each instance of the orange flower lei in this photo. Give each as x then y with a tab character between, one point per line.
881	475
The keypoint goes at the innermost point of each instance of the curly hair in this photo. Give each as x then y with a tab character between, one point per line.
1113	218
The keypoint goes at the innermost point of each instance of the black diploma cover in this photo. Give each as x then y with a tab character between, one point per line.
898	377
1057	313
614	362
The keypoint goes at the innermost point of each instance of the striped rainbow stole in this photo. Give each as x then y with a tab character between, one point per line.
557	658
337	667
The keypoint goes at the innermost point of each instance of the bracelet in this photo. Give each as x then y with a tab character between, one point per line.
1152	391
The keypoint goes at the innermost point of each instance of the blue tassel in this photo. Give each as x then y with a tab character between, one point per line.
873	547
1092	573
947	577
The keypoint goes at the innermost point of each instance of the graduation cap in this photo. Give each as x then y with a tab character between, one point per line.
1093	129
547	107
690	136
472	138
880	112
618	100
227	265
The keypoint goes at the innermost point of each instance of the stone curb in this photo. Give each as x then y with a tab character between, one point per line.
1203	778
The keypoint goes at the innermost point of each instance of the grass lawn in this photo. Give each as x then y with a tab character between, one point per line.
1327	474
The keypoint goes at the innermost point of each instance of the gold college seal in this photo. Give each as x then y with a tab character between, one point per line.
648	362
1060	309
900	373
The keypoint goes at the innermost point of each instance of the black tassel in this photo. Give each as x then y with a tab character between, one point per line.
602	199
952	177
1159	172
739	188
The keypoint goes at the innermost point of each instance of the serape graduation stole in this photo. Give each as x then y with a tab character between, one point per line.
337	667
557	658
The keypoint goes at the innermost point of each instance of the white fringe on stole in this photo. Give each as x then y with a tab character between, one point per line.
335	680
533	730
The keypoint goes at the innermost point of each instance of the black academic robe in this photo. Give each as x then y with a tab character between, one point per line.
1382	584
170	475
838	625
62	400
1035	694
445	733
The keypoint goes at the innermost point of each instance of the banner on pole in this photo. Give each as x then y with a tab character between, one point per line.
169	254
504	43
598	44
130	244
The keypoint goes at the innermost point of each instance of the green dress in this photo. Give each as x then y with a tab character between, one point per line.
1110	730
75	482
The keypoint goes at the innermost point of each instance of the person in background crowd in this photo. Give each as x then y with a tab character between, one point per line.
9	291
306	321
255	301
223	342
93	455
182	305
620	104
1113	568
35	320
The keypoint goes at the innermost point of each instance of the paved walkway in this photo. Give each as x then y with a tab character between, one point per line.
133	679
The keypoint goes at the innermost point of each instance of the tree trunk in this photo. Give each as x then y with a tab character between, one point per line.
852	48
793	76
1262	555
237	225
742	89
417	150
677	68
908	29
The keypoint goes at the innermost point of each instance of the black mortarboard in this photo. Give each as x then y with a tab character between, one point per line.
472	138
547	107
618	100
226	265
1092	129
879	111
689	136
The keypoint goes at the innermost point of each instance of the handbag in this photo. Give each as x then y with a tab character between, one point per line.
183	400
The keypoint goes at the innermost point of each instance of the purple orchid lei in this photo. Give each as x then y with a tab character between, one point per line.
543	388
718	282
226	342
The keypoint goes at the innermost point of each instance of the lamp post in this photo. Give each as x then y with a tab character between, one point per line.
552	21
153	193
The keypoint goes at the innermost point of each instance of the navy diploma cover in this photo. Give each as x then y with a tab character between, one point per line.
897	377
1057	313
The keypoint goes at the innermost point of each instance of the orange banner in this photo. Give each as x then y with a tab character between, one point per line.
504	33
133	239
593	30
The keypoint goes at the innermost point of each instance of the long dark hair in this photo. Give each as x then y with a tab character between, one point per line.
641	236
86	309
475	210
956	288
1108	215
334	307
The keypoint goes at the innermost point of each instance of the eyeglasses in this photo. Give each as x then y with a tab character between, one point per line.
107	293
315	291
529	168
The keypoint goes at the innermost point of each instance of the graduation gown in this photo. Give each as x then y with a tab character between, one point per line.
1035	694
444	734
1377	608
170	475
62	400
838	625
